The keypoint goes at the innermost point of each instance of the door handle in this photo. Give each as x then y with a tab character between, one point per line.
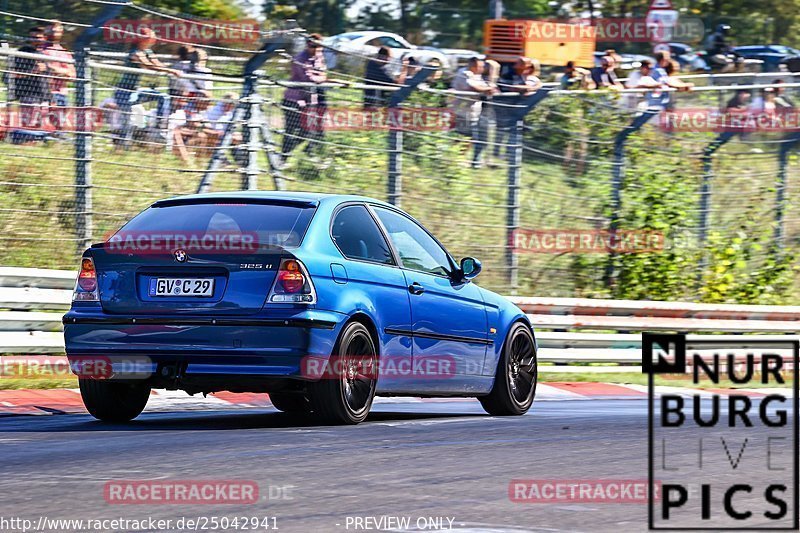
416	288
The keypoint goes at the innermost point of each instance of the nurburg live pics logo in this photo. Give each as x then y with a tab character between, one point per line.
725	458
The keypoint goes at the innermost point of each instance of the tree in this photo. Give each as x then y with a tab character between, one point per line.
322	16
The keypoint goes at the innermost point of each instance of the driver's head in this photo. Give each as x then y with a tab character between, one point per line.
723	28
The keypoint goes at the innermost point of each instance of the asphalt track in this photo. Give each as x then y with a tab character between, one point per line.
416	460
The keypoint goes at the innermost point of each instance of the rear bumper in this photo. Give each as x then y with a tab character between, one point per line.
253	346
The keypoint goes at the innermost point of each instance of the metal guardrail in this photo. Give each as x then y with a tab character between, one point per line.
30	297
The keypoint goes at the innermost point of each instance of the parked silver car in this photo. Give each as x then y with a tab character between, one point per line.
350	51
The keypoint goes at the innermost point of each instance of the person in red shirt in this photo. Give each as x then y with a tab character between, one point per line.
62	72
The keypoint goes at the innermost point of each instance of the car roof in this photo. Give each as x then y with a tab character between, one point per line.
370	33
291	196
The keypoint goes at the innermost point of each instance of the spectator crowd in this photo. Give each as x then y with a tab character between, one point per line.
484	96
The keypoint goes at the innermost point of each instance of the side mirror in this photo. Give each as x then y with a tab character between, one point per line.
470	268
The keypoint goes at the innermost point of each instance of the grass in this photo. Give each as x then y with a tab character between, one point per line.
637	378
632	378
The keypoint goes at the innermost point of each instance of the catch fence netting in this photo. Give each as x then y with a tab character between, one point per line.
489	195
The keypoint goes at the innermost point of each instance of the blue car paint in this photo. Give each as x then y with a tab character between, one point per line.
220	338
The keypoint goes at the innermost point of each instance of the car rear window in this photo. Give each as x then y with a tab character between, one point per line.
277	224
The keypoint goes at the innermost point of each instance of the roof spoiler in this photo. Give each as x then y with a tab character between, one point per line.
233	200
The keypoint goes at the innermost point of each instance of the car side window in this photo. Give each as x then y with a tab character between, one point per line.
417	249
357	235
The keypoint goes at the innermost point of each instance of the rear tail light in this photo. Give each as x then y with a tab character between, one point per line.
86	285
292	284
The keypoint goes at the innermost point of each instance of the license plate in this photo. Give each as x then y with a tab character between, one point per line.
196	287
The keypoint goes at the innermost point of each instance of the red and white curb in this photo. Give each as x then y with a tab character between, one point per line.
61	401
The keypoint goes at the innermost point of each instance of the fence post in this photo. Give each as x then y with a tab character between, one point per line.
705	194
395	184
394	192
514	155
250	139
84	226
83	152
516	116
618	173
780	197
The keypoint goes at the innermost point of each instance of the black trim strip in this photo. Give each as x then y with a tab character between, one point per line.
194	321
437	336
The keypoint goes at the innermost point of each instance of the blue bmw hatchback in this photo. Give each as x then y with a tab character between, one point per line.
322	301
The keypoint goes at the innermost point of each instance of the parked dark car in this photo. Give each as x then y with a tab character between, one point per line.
776	57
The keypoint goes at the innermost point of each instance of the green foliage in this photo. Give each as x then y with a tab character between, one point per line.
731	276
658	198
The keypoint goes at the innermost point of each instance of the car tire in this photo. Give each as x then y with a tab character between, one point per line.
113	401
292	403
517	372
345	392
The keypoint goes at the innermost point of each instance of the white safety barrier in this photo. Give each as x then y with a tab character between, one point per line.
574	334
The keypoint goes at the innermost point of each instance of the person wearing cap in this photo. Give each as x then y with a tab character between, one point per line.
300	103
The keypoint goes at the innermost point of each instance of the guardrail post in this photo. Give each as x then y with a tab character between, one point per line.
84	226
618	173
394	186
780	195
514	158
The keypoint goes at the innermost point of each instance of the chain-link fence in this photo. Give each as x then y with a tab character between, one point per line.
559	192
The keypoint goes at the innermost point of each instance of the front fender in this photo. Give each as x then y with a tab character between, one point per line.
502	314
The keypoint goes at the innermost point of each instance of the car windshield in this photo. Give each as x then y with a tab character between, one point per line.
277	224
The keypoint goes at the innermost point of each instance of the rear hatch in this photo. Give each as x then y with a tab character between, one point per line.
199	256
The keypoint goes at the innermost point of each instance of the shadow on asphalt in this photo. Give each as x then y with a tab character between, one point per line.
196	421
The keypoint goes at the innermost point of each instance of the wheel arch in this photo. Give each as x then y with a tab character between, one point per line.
367	321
